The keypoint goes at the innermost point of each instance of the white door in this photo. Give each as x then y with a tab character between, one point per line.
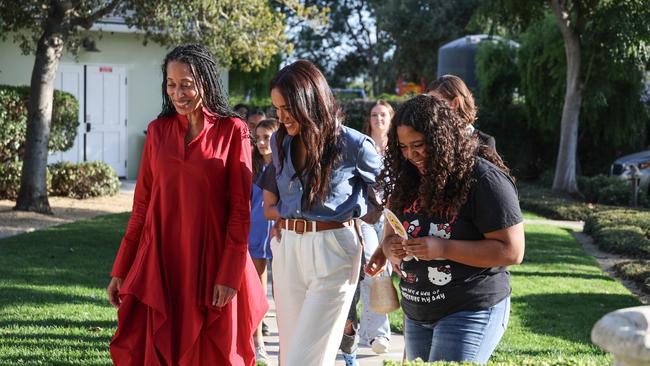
70	78
106	116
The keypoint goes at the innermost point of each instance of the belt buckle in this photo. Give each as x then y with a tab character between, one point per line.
304	226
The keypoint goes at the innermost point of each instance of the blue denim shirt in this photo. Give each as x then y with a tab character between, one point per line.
351	179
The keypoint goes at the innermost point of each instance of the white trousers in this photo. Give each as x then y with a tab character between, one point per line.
314	278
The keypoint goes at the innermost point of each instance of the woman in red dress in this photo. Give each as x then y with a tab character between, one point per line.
183	281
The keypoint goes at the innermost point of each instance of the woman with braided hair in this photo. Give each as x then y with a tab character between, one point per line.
459	205
185	287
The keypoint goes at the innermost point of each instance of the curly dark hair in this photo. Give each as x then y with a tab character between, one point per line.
451	155
206	73
310	101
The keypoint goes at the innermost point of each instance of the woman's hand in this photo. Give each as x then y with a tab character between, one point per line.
426	247
113	290
276	231
222	295
393	247
376	263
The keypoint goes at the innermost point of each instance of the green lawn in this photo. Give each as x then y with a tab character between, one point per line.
53	308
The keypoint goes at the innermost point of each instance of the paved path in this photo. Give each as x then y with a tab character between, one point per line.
365	355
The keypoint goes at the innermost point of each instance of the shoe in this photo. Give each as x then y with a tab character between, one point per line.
350	359
265	329
379	345
261	356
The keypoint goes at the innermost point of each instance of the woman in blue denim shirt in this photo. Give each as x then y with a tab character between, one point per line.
316	187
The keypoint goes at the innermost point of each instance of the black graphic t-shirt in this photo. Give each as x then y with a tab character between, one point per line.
434	289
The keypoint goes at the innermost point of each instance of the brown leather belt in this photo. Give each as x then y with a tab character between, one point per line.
301	226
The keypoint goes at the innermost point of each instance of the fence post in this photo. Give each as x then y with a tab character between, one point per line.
635	177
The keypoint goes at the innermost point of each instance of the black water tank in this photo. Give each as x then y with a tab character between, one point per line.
458	57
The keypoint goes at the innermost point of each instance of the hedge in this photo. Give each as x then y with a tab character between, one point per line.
13	121
80	180
623	231
553	205
609	191
637	271
84	180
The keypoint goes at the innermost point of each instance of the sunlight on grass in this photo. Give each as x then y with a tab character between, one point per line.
532	216
54	309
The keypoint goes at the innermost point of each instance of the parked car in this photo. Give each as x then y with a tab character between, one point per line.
624	167
349	94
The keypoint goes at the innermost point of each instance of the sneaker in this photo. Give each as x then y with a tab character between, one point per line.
379	345
265	329
261	356
350	359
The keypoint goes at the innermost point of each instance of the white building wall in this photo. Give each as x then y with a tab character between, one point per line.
143	65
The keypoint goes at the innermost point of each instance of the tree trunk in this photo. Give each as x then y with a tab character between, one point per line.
565	167
33	183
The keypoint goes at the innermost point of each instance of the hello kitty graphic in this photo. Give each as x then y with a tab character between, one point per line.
440	276
442	231
412	228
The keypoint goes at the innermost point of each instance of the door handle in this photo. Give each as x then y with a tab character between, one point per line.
87	127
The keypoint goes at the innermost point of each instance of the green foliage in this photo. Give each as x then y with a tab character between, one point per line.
637	271
613	120
554	205
419	28
501	113
84	180
352	45
623	231
608	191
13	121
10	179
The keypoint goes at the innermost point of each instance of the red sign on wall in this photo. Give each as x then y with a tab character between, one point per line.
105	69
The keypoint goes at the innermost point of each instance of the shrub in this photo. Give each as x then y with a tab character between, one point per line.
13	121
617	217
554	205
624	231
637	271
84	180
608	190
10	179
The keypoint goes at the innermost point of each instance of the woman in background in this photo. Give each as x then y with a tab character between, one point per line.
260	234
453	90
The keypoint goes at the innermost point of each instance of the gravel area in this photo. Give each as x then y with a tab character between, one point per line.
64	210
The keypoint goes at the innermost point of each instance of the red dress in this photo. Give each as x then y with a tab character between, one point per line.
187	232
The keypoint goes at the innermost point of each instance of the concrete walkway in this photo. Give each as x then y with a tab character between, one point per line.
365	355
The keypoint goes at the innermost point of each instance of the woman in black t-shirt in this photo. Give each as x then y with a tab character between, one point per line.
461	212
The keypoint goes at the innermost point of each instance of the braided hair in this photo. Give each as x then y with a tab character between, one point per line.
206	73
